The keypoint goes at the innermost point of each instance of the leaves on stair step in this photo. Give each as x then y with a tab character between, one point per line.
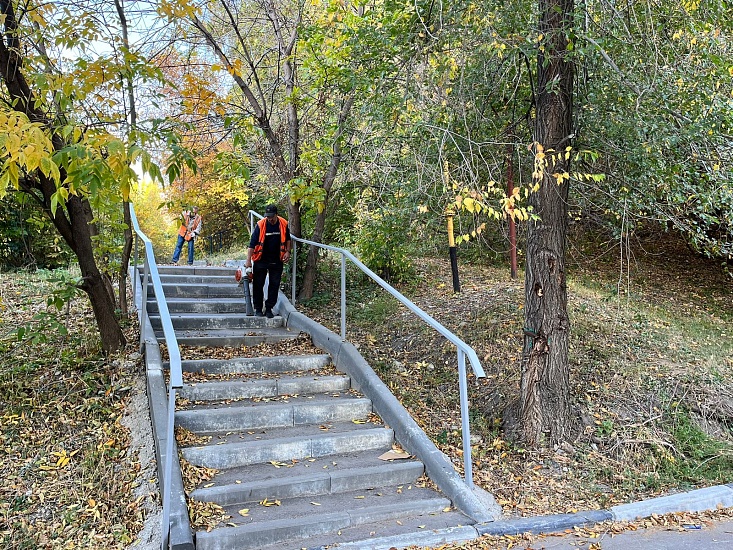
193	475
205	514
269	503
359	421
244	512
280	464
186	438
316	503
394	454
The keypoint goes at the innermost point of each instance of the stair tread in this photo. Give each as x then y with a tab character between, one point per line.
275	364
369	532
228	450
286	433
304	481
239	388
248	331
335	464
267	413
303	507
295	522
238	405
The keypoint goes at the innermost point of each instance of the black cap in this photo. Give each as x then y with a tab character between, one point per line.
271	209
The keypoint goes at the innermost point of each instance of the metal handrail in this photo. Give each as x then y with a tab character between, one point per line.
463	349
150	270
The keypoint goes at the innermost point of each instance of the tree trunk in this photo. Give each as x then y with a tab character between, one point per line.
76	229
93	282
546	411
127	247
125	260
309	275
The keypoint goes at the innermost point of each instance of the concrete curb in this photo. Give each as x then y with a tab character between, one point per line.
697	500
542	524
181	535
348	359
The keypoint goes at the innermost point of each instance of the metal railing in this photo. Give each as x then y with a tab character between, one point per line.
463	349
150	272
216	241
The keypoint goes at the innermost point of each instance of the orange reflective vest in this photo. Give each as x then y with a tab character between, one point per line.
189	226
257	252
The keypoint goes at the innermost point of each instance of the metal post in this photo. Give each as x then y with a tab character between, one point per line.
294	259
465	430
144	304
452	251
168	471
343	296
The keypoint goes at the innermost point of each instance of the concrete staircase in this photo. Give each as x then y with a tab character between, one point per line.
293	447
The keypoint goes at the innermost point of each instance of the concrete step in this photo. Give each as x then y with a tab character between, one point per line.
197	305
249	365
319	477
300	518
231	337
403	532
202	291
164	270
197	279
227	453
215	321
268	387
263	416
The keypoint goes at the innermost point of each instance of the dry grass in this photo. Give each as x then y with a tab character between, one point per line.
69	478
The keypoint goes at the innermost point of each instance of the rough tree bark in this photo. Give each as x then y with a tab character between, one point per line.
74	229
546	412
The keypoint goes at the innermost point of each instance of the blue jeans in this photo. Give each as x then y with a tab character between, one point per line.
179	246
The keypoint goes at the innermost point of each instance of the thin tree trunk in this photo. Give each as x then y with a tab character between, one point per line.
311	266
546	411
512	223
127	247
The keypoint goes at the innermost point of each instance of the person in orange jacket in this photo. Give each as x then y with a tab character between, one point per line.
269	249
189	230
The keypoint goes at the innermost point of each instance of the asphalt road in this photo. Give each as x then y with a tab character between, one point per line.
718	535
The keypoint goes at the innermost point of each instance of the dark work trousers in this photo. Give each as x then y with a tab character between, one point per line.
259	273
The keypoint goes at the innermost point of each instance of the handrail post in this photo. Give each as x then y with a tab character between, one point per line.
343	296
144	304
465	430
293	270
168	472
